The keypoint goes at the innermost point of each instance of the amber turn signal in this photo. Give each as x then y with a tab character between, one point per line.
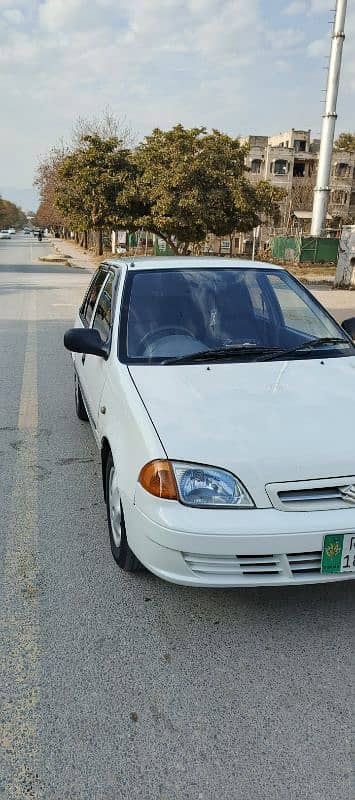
158	479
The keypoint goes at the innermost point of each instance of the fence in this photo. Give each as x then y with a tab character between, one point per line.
305	249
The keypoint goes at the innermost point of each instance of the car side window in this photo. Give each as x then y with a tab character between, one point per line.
103	314
91	296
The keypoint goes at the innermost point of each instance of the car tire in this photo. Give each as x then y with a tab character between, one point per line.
79	403
120	548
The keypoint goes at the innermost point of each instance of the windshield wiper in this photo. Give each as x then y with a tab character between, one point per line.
310	345
221	353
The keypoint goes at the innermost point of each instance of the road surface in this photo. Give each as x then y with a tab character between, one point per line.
122	687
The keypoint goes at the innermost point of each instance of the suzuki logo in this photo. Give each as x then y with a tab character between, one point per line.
348	493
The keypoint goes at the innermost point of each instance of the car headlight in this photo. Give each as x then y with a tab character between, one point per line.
209	486
194	485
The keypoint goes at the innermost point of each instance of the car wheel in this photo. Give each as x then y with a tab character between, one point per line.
120	548
79	403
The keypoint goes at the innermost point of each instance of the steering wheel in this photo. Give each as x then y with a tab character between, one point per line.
150	337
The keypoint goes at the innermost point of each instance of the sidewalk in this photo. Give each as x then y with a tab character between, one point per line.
77	256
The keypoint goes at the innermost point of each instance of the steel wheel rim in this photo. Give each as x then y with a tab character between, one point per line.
115	508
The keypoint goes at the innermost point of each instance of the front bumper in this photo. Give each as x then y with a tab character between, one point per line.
221	548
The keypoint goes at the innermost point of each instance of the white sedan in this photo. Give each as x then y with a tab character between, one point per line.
5	234
219	396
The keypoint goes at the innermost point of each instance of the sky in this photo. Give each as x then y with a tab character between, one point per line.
242	66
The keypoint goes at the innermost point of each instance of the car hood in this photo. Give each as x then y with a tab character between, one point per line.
266	422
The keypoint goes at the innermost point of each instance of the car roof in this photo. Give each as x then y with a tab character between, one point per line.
172	262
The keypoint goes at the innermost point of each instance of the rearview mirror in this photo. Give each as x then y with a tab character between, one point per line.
349	327
84	340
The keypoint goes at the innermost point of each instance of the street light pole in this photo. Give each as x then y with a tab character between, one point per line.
321	192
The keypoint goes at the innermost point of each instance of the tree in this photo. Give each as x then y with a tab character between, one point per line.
11	216
68	212
94	185
190	184
46	181
345	141
193	182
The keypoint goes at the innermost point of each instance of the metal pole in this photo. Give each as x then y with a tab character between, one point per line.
321	192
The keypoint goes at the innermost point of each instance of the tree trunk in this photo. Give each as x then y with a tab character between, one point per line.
171	244
98	243
230	245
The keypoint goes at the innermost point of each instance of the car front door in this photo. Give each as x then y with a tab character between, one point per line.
93	368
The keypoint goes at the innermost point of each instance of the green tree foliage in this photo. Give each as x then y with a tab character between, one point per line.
11	216
93	187
193	182
186	184
171	184
345	141
268	199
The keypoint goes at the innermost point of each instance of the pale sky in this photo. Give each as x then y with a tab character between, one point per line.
243	66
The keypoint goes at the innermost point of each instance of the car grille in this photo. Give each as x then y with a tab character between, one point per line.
259	568
313	495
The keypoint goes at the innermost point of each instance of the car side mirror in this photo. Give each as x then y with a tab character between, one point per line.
84	340
349	327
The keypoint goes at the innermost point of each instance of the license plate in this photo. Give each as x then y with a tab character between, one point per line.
338	553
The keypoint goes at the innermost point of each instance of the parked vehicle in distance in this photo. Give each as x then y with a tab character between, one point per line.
12	230
4	234
212	390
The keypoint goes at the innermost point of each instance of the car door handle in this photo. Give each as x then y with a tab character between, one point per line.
83	357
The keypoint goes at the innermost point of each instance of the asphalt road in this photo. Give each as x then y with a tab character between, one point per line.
122	687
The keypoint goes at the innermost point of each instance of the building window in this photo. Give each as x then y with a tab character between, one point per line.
281	167
339	197
352	199
299	169
342	170
255	166
300	146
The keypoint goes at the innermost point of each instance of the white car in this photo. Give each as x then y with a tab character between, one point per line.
5	234
12	230
220	395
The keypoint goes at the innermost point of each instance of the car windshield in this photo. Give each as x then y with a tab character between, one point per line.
173	314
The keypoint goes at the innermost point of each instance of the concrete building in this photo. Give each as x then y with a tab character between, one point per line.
291	158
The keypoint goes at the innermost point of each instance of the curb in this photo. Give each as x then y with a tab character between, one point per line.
65	258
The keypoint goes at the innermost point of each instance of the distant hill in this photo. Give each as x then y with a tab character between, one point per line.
27	199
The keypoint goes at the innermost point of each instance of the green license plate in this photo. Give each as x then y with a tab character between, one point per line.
338	553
